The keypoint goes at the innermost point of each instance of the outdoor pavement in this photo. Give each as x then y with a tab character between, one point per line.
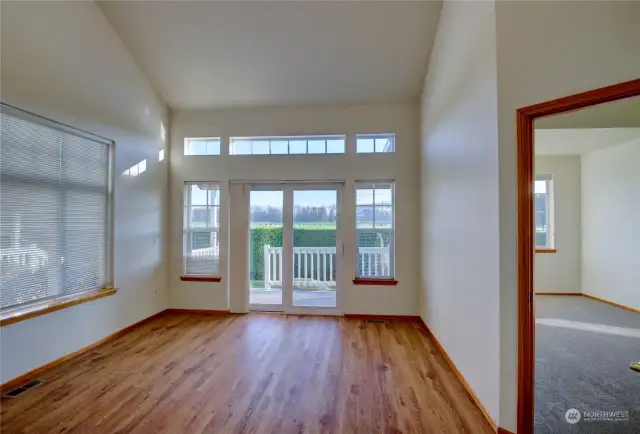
301	298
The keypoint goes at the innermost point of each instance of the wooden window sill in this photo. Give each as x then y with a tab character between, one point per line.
194	278
546	250
48	306
374	282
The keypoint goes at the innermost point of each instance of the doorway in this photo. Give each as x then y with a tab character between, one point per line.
527	231
295	248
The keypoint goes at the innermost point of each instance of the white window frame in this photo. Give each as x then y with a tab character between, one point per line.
388	136
189	140
549	217
187	231
289	139
391	231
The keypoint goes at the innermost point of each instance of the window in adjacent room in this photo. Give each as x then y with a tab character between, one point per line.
543	192
375	229
201	233
375	143
202	146
55	210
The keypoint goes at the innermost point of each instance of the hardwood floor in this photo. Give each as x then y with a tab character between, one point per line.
257	373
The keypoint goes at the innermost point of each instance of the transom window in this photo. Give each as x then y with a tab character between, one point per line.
543	190
375	143
202	146
201	229
375	230
334	144
55	210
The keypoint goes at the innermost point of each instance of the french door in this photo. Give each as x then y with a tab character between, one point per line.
295	248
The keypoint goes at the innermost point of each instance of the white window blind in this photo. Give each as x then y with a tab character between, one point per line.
375	229
201	233
55	226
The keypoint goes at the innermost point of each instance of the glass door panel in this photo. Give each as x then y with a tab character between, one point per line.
266	226
315	215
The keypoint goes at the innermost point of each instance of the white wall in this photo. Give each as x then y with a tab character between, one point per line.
547	50
402	166
561	271
459	201
62	60
611	214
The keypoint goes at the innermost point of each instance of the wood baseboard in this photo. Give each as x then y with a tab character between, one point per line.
199	311
37	371
621	306
558	293
458	374
381	317
504	431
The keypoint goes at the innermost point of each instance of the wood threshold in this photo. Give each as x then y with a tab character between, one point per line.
374	282
546	250
45	307
193	278
621	306
459	375
11	384
525	118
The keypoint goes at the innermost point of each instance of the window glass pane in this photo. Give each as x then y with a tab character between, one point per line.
260	147
198	195
364	145
214	196
279	147
197	147
383	217
298	146
202	254
383	194
335	146
384	145
317	147
364	216
374	254
242	147
364	196
540	187
213	147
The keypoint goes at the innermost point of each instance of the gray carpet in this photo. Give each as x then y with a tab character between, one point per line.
583	351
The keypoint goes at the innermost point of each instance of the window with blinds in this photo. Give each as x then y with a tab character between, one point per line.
201	229
55	225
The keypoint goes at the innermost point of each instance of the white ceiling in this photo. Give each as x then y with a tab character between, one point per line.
579	141
221	54
618	114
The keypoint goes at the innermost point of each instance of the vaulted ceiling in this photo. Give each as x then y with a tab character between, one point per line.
222	54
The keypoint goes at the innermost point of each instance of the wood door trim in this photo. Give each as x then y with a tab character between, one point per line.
525	118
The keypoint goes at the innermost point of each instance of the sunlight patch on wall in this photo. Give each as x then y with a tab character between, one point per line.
136	169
